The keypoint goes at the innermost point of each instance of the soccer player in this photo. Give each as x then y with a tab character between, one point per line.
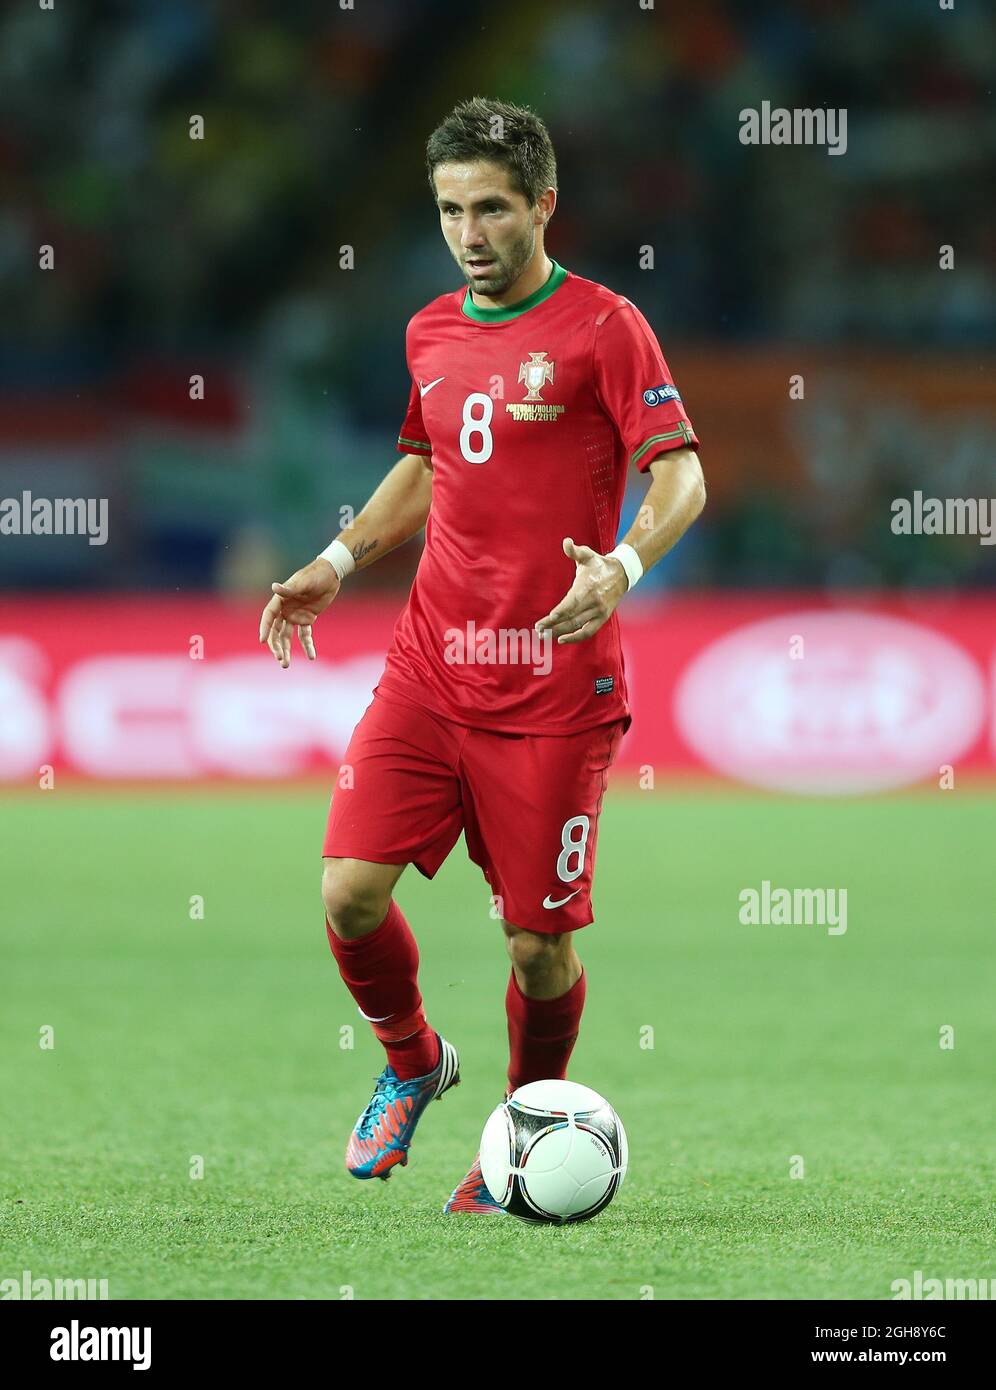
503	699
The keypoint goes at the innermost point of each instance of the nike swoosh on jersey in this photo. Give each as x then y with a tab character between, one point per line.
424	390
560	901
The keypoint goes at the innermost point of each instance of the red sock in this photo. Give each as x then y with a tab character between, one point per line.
380	970
541	1032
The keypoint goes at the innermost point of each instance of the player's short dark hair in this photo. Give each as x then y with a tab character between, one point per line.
484	128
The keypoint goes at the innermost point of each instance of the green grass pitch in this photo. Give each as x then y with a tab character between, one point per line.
177	1037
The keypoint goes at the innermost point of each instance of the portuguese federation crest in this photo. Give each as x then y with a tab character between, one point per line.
535	373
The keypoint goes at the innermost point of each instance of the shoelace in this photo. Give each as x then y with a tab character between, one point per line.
389	1088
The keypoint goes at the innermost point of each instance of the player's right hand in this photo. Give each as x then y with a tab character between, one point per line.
295	606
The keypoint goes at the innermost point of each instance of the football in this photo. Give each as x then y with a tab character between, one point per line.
554	1152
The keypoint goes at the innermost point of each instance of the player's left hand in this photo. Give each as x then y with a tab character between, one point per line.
599	584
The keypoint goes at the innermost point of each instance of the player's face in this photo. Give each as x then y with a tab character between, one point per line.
489	227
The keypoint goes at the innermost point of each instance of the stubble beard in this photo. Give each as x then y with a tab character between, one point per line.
507	269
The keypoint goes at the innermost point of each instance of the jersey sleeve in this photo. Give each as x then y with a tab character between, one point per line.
413	438
634	387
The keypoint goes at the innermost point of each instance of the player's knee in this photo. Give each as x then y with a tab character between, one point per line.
353	905
535	954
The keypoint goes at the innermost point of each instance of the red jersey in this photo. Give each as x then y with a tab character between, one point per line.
530	415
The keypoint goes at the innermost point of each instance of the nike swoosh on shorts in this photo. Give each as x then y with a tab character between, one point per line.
560	901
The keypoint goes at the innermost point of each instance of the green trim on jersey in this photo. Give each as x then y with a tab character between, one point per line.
418	444
554	281
682	432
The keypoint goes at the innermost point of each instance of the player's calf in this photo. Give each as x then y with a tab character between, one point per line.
544	1008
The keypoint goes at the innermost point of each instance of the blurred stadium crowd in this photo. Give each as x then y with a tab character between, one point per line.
221	257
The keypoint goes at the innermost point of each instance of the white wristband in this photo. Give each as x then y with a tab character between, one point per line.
630	562
339	558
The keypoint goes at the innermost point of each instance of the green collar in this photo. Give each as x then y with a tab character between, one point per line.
555	279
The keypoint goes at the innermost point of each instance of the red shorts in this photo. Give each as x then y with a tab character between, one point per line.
411	780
